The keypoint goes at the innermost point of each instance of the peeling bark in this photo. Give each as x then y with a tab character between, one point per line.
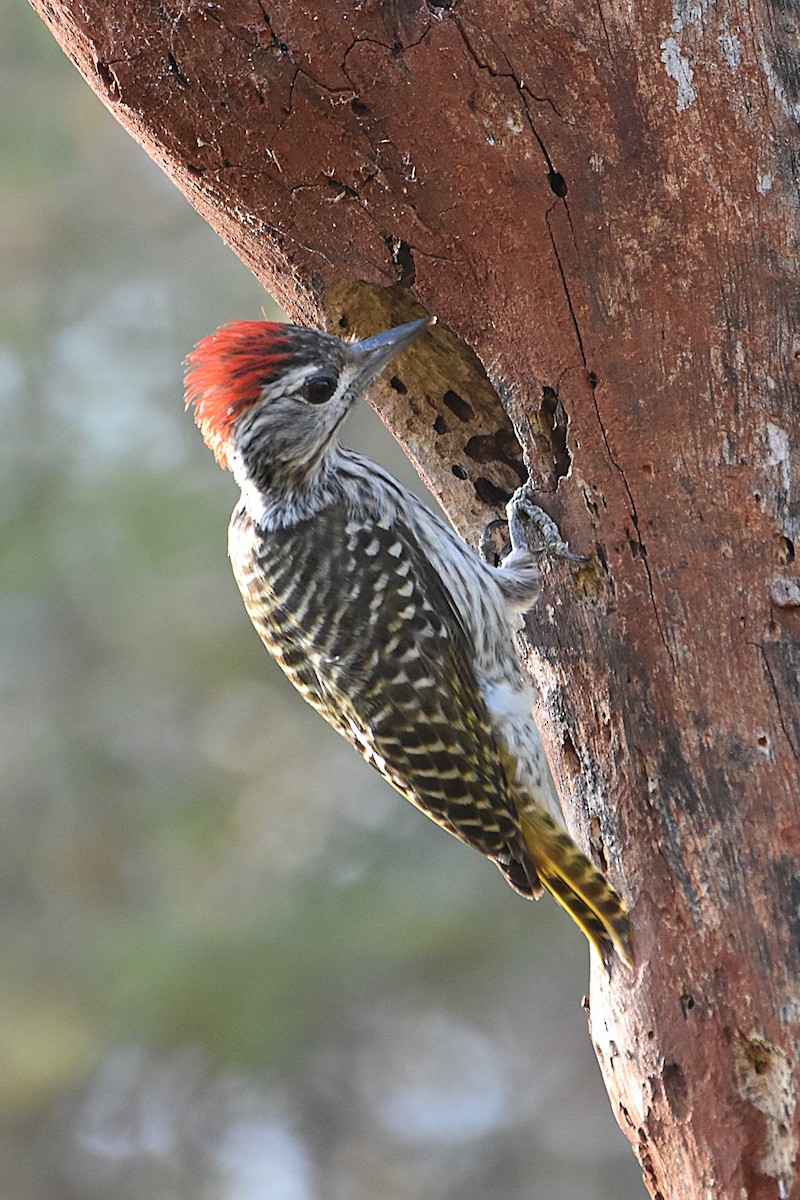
600	200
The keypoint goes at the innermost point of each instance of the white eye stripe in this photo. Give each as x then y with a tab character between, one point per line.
289	383
292	383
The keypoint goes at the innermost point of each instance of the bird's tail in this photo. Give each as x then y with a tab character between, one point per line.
577	885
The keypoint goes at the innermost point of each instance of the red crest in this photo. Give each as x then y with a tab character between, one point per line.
226	373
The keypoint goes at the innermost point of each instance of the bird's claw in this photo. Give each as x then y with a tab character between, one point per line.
525	517
486	546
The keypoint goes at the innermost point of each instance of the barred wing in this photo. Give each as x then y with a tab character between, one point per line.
361	622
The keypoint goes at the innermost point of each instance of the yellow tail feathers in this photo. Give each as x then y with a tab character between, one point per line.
577	885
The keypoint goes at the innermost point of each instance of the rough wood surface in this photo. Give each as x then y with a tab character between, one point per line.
600	199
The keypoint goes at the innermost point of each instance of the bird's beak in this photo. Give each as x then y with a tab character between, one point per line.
373	354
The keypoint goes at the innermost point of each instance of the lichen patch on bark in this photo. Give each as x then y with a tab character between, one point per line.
764	1079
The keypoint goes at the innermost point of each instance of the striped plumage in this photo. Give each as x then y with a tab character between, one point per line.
387	623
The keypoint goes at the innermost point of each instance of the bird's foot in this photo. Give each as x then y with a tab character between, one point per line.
530	528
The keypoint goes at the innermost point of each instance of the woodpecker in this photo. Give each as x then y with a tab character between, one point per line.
396	632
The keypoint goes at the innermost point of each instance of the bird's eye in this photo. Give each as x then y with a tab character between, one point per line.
320	388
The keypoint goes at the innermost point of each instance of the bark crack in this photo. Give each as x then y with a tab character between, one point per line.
773	685
521	86
554	178
604	27
641	552
395	48
275	39
565	287
281	46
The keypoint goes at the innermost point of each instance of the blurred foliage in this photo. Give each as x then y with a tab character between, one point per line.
235	964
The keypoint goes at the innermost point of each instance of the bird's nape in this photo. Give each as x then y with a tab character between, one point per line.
225	375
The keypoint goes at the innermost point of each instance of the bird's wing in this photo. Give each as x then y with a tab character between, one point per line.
361	621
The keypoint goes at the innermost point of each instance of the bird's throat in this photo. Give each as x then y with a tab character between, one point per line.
280	495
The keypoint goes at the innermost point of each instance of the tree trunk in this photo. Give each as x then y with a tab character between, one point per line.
600	199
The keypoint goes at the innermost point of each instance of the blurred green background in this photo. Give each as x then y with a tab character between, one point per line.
235	964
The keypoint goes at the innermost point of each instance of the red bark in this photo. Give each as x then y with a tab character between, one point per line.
601	200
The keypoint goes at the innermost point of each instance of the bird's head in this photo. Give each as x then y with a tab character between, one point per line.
268	398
